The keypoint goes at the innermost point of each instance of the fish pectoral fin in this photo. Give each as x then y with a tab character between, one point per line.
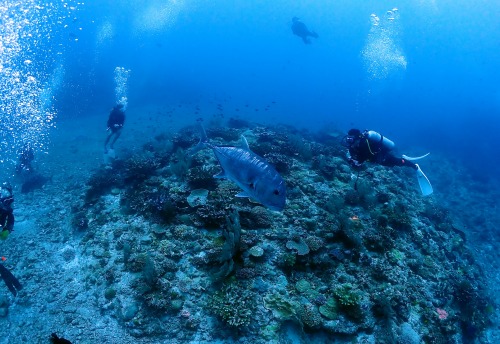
242	194
244	143
220	175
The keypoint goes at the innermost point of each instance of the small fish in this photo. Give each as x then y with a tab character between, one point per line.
253	174
4	259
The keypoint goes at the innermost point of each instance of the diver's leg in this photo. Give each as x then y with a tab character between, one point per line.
391	161
117	135
10	280
106	142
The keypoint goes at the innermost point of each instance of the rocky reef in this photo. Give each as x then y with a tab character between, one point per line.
175	255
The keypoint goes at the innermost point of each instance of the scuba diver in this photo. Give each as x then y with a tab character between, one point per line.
6	211
115	124
7	226
300	29
27	173
373	147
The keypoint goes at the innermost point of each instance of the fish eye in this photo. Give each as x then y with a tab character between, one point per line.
276	192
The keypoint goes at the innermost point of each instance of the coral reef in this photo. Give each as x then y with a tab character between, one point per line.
234	303
349	255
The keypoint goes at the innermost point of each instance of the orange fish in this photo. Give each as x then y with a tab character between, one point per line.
4	259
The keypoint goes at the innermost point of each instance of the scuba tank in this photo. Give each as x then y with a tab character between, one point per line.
379	141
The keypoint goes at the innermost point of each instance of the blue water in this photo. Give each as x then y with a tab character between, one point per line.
240	53
424	73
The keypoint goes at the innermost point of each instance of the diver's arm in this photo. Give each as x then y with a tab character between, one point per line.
352	161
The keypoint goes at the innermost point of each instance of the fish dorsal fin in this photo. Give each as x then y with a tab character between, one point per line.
244	143
221	175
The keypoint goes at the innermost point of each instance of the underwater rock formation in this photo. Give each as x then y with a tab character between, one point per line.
378	259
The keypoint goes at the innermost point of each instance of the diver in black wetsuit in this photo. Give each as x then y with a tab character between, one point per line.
27	173
373	147
7	226
115	125
6	211
300	29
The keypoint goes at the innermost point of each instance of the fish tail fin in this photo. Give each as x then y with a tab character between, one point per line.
202	143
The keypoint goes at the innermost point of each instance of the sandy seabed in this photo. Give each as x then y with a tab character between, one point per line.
53	298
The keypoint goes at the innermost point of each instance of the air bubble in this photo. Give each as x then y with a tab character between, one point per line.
121	80
382	55
26	110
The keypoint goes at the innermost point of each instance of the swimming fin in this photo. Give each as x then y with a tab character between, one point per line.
425	184
409	158
109	156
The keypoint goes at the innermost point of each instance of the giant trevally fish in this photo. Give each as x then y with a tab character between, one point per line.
258	179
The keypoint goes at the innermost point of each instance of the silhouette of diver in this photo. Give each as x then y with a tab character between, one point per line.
115	124
300	29
27	174
26	156
9	279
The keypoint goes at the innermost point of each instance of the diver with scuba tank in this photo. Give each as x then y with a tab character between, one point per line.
373	147
368	145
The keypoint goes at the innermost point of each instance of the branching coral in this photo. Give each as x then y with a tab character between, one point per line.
309	315
140	167
234	304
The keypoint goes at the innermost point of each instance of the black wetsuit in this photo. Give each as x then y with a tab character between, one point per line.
365	149
116	119
6	219
300	29
115	124
10	280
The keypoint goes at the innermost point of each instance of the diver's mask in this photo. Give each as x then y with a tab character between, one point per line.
347	141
